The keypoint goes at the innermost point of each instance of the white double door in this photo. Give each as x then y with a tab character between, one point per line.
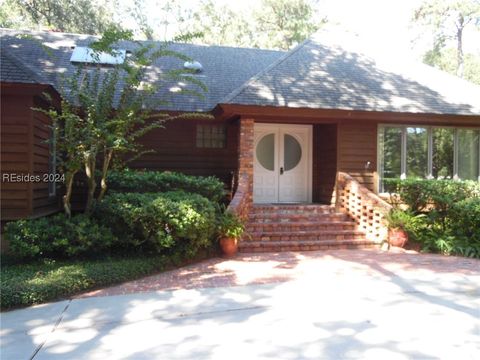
282	163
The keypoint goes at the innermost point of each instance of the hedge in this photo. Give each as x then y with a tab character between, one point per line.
157	222
157	181
57	237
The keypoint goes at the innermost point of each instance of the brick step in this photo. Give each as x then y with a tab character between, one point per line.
292	209
300	226
283	218
303	235
303	245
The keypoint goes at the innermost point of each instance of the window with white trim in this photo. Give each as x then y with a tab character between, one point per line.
428	152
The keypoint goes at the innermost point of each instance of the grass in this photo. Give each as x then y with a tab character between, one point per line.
47	280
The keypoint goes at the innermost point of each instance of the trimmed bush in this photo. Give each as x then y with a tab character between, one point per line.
424	194
156	181
57	236
157	222
444	214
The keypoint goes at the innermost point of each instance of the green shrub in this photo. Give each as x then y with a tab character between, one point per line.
426	194
156	181
445	214
57	236
229	225
155	222
464	222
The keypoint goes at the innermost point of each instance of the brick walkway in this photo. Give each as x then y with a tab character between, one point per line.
246	269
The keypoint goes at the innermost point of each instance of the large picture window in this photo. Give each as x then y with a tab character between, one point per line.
428	152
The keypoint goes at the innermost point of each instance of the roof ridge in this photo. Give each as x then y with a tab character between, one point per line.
257	76
24	67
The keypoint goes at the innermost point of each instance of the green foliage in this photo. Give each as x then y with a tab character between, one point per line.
446	59
156	181
279	24
157	222
104	112
57	236
422	195
285	23
399	219
28	284
77	16
229	225
447	21
443	215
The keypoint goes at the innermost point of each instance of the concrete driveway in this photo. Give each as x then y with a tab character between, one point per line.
347	304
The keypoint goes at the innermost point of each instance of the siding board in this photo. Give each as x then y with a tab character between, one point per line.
357	145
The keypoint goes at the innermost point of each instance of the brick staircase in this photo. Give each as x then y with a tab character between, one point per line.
300	228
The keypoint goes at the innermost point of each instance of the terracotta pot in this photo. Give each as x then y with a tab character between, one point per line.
229	246
397	237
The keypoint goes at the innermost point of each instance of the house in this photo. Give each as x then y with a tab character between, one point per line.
321	124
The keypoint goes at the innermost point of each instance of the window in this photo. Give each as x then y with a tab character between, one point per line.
390	150
211	136
417	152
428	152
468	154
442	153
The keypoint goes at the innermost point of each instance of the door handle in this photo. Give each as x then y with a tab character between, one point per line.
281	170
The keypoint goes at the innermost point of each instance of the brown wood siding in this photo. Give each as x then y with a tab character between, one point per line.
175	150
43	203
16	136
324	162
357	145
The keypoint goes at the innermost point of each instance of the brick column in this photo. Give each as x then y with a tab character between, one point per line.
243	198
245	149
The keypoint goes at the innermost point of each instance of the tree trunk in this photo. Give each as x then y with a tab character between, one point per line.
106	164
460	27
67	206
92	184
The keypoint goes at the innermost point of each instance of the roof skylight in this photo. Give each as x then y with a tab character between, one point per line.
86	55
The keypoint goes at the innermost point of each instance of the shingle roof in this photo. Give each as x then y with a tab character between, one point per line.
321	75
224	68
316	74
12	70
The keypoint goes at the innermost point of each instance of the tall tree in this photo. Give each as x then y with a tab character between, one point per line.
154	19
286	23
278	24
219	25
80	16
449	19
105	110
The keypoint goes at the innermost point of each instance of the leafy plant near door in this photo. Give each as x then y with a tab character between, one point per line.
230	228
398	222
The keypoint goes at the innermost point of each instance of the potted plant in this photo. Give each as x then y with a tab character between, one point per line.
230	229
397	222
